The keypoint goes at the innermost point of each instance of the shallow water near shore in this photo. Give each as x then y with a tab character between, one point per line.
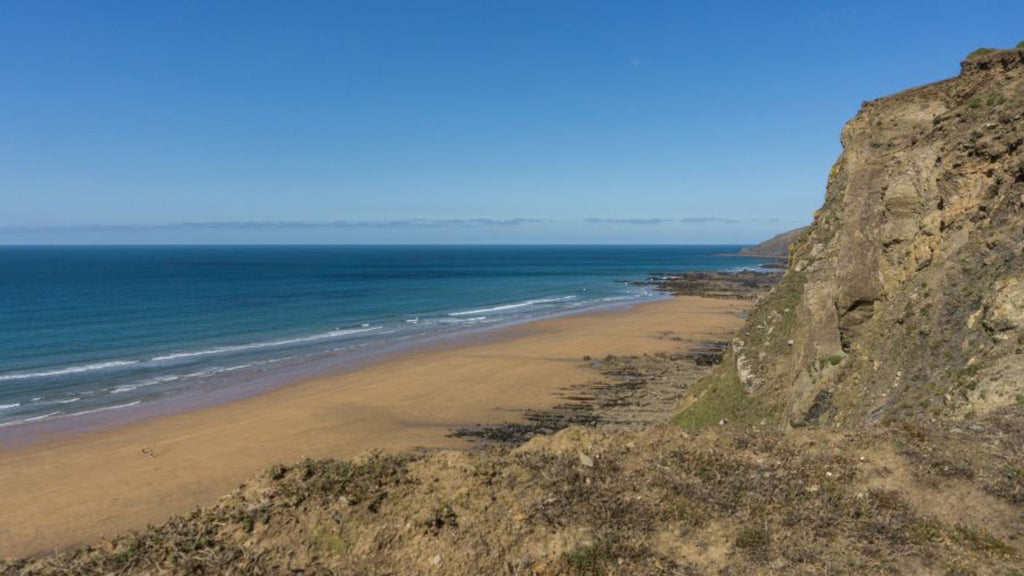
93	331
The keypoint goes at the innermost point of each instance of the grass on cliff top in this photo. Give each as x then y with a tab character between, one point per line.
983	51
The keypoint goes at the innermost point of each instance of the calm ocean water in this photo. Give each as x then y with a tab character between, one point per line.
90	330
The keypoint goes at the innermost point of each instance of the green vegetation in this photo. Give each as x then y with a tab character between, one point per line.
830	360
980	540
967	378
990	99
588	560
769	328
442	517
779	312
981	52
984	51
720	397
754	540
332	542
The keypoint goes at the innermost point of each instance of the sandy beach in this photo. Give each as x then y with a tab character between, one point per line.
78	489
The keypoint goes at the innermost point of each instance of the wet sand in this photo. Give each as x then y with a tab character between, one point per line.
78	489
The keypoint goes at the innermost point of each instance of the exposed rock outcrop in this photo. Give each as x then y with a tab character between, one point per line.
905	299
742	285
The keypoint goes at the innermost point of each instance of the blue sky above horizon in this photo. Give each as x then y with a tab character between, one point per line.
447	122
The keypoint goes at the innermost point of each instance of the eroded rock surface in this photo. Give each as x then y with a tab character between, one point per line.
905	298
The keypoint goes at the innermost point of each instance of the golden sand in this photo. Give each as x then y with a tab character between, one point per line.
78	489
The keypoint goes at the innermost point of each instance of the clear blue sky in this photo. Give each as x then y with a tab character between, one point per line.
438	122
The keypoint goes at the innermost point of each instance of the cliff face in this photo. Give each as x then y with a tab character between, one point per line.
905	298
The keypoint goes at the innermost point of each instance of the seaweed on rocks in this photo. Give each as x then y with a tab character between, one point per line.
740	285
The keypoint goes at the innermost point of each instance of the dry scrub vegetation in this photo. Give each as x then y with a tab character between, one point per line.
583	501
728	497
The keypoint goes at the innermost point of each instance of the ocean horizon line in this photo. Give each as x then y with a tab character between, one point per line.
379	244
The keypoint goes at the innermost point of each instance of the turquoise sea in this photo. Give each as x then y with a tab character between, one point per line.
87	332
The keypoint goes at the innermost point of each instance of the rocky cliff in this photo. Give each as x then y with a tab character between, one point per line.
905	298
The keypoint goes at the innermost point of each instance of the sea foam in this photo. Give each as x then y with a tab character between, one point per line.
106	408
27	420
270	344
70	370
513	306
144	383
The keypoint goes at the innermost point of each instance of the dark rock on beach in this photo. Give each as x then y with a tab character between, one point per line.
742	285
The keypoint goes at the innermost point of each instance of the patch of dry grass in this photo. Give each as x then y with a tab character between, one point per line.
772	506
